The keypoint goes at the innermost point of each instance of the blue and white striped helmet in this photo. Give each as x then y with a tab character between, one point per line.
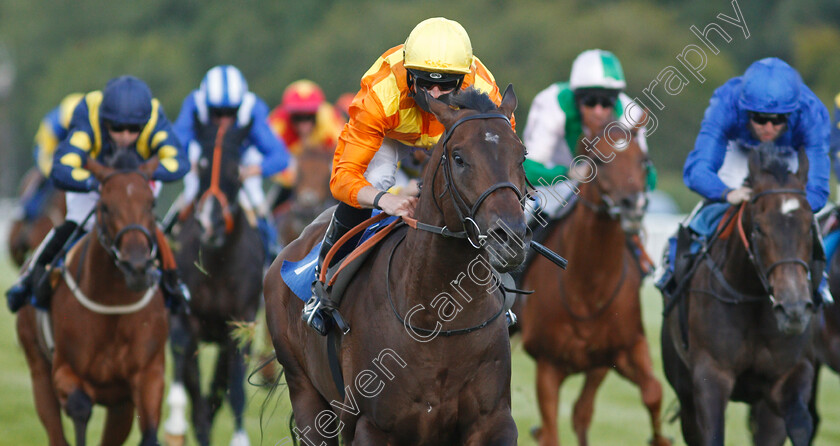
224	87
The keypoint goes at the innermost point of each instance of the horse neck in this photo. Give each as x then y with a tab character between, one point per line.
736	265
100	276
427	263
595	241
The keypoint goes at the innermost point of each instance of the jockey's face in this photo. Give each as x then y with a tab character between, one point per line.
217	115
303	124
767	127
596	108
123	136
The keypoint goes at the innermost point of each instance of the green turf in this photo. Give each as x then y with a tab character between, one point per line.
620	417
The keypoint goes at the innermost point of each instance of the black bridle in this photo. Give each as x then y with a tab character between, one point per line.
752	252
111	244
466	213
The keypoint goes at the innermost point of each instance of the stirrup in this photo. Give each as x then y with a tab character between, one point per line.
510	317
313	316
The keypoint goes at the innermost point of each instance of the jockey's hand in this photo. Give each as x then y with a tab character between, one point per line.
398	205
249	171
737	196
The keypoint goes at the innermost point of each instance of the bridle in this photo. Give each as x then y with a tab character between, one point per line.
214	190
466	213
753	255
111	245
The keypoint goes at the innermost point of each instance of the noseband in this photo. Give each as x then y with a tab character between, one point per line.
753	254
466	213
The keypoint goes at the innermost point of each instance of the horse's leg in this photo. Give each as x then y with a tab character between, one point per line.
183	348
549	379
367	433
636	366
585	405
236	394
767	428
192	381
679	377
118	424
218	388
712	389
46	401
307	403
795	393
812	403
77	403
147	393
495	429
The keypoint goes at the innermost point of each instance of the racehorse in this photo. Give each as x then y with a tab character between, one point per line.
748	333
426	362
311	194
24	234
588	319
103	340
220	259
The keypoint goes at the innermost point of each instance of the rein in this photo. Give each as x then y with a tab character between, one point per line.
214	189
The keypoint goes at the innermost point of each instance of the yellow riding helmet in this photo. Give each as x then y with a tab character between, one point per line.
438	45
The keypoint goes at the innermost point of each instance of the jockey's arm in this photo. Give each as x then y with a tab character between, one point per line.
174	161
544	133
835	139
70	156
700	172
184	124
275	154
816	124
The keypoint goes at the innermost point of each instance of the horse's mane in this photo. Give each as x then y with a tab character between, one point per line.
125	160
772	162
473	100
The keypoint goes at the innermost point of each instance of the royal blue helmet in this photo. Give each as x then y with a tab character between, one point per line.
770	86
224	87
126	100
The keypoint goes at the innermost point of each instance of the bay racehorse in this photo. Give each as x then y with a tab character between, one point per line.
103	340
746	332
588	319
311	194
25	234
220	258
427	360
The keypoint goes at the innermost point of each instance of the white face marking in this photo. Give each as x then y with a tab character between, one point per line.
129	190
790	205
490	137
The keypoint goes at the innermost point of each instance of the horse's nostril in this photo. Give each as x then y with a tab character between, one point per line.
809	307
500	235
779	308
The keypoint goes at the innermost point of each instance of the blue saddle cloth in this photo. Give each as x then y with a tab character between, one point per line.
300	275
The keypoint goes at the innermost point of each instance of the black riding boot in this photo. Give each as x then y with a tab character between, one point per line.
31	282
175	292
312	311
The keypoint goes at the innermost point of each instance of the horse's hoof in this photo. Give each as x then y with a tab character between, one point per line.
173	440
240	438
659	440
535	432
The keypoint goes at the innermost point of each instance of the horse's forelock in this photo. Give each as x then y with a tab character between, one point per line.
474	100
125	160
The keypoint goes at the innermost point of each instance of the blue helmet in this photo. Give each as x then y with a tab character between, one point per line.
224	87
126	100
770	86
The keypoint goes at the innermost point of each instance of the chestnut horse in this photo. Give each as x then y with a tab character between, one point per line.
427	362
748	334
25	235
588	319
311	194
107	319
220	259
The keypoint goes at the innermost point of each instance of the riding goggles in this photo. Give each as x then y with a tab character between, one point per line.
592	99
764	118
119	128
428	80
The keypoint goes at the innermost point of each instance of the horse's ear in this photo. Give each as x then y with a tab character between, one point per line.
98	170
148	168
442	111
754	162
509	101
802	173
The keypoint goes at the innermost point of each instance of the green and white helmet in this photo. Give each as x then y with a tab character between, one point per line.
597	69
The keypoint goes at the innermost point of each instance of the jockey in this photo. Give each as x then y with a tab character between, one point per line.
51	131
131	120
224	95
832	239
304	120
565	111
437	57
769	103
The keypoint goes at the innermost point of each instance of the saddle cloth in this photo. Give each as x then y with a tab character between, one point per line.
299	275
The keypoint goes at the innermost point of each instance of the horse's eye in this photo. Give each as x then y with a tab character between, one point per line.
757	230
103	209
458	160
